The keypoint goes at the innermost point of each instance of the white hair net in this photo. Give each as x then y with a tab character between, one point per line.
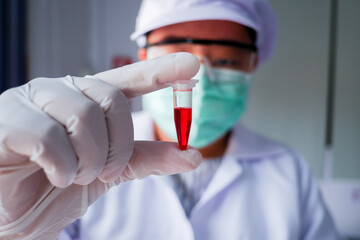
256	14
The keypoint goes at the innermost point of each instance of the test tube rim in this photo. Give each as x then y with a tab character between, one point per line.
184	84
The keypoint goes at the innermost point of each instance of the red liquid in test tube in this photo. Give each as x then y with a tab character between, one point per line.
183	109
182	117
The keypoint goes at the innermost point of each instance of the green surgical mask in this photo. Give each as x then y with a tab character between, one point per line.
219	100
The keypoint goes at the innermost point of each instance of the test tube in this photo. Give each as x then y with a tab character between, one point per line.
182	95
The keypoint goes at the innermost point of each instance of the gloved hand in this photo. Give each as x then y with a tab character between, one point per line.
66	141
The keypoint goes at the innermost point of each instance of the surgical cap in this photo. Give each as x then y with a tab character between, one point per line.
256	14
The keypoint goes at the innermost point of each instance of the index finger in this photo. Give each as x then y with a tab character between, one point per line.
150	75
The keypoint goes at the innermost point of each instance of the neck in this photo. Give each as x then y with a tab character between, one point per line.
215	149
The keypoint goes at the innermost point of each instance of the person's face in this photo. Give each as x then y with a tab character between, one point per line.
218	55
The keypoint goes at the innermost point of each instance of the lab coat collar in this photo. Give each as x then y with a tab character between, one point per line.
243	144
229	170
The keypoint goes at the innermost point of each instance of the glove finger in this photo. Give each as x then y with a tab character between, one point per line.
159	158
147	76
83	119
118	120
27	131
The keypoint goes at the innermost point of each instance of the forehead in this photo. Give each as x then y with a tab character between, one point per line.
205	29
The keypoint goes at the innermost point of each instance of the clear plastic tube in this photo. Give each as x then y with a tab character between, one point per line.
182	95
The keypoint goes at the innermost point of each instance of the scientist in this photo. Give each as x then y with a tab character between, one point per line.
247	187
77	133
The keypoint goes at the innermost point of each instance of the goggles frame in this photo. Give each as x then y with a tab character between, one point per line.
250	47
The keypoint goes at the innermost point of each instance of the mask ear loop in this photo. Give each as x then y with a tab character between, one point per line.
208	68
249	74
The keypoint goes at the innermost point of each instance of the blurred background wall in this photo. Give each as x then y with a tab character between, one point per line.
307	96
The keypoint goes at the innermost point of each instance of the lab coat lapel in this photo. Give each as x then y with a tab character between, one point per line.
228	171
243	146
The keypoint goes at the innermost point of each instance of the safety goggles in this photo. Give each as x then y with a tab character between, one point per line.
222	54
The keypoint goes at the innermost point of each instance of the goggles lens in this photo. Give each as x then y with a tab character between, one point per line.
221	54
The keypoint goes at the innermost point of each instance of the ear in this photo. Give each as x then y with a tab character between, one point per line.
142	54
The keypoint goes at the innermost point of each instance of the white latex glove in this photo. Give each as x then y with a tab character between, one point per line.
65	141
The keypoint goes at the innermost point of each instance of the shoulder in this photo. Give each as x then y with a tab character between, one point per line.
249	145
267	157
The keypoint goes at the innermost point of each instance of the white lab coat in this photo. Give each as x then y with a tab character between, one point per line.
262	190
